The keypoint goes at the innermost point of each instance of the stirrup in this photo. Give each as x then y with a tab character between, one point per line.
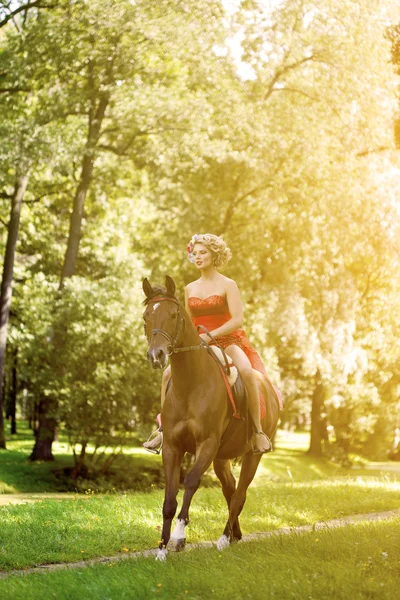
255	450
157	449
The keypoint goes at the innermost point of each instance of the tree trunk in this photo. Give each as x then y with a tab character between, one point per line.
12	409
42	449
6	283
80	469
318	419
45	437
74	237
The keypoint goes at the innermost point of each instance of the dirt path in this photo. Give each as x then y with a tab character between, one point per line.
6	499
333	523
393	467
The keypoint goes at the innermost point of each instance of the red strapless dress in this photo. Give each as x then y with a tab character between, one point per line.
212	312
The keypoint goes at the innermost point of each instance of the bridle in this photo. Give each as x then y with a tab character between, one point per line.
171	348
180	326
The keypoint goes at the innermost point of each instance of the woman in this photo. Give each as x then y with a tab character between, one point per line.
214	301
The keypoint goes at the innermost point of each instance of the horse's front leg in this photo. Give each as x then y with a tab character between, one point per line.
172	458
205	454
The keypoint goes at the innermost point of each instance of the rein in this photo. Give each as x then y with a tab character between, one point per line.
172	349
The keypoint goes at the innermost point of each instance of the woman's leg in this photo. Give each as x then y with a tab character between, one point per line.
155	439
242	363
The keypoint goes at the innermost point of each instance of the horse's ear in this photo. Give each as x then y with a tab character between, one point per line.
148	290
170	285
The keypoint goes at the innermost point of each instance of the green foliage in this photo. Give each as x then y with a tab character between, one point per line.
293	163
100	374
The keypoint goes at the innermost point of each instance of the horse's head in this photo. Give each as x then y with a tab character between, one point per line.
163	321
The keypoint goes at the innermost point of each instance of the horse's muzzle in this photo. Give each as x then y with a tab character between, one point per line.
157	357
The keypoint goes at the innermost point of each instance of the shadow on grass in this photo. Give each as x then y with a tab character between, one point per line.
18	474
136	470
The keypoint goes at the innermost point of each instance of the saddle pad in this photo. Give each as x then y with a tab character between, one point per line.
233	377
263	408
233	370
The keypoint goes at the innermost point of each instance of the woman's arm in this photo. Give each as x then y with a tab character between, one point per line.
235	306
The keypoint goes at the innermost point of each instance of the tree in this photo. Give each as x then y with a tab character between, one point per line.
132	47
288	178
24	148
7	278
153	136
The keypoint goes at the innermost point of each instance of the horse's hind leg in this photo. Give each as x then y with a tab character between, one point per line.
222	468
247	472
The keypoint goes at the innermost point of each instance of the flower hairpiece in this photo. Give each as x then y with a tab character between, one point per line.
191	246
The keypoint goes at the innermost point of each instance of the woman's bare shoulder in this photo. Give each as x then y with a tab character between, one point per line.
230	284
191	286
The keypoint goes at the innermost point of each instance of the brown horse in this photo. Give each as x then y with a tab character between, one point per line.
196	415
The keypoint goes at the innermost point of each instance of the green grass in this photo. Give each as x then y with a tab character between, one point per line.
290	489
54	531
359	562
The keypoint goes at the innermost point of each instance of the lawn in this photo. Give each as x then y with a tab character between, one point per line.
359	562
290	489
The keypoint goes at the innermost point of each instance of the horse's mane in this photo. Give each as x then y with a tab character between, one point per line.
158	290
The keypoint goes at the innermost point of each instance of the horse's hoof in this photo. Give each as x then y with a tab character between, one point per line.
223	542
176	544
162	554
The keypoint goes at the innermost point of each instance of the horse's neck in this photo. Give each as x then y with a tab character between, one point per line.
191	362
191	335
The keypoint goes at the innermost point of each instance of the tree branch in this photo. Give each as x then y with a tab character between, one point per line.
16	11
296	91
122	150
311	97
374	150
12	90
48	193
285	69
236	201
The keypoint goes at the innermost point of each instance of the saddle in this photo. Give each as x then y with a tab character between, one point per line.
236	389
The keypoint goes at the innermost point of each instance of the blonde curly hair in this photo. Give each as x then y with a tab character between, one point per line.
216	244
